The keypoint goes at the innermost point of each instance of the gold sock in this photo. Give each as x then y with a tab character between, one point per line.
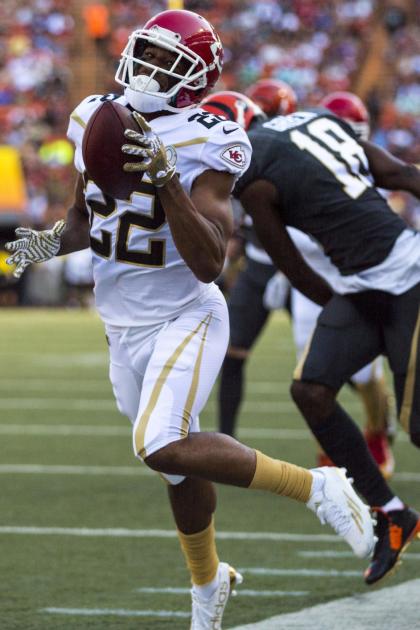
282	478
201	555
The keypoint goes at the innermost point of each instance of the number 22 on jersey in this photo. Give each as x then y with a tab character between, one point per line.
341	155
148	216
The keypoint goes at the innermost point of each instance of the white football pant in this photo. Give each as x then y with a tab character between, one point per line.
162	375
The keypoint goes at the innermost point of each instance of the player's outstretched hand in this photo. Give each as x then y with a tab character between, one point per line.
33	246
158	161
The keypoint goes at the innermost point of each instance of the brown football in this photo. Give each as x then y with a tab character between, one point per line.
101	149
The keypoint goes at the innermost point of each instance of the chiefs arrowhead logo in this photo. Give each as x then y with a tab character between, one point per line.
235	155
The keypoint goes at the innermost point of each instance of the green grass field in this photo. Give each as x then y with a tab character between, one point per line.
66	462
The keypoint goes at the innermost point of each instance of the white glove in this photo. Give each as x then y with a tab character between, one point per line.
275	293
158	161
34	246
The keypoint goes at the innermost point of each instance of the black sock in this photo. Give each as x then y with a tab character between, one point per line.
230	393
344	443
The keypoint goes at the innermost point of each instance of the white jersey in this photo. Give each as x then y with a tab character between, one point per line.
140	277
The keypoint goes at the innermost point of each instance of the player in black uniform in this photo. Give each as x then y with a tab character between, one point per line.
309	171
248	313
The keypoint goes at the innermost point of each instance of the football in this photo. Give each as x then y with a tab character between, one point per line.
101	149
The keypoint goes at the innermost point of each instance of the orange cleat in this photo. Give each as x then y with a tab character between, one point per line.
394	531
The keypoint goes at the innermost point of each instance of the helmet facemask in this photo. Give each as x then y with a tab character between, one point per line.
139	77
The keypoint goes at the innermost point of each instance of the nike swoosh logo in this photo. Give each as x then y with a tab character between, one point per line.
227	132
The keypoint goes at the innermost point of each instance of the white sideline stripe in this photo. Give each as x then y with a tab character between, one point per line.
124	431
406	476
299	572
275	434
392	607
110	431
242	592
163	533
30	469
50	384
59	404
139	469
65	429
101	384
345	554
86	359
98	404
114	612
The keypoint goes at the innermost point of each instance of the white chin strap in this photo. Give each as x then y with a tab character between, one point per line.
146	103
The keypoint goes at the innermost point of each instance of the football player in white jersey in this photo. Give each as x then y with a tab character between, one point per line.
155	257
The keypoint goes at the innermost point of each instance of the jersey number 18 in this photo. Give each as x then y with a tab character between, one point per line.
341	155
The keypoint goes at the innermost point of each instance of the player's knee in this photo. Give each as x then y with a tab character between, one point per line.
304	394
315	401
415	439
165	460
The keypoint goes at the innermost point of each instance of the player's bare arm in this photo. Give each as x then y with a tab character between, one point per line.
201	224
260	201
76	233
391	173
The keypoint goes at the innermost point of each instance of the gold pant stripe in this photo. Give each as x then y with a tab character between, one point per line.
410	380
142	425
297	374
186	416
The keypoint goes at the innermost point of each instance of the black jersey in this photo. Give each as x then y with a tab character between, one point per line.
325	187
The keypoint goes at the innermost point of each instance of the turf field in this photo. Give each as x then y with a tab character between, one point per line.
86	534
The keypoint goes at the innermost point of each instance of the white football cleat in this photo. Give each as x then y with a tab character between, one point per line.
207	613
338	505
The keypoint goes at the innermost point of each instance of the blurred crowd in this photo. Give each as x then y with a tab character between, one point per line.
317	46
313	45
35	61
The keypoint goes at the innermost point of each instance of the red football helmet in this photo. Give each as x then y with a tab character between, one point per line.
350	108
234	106
275	98
192	39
